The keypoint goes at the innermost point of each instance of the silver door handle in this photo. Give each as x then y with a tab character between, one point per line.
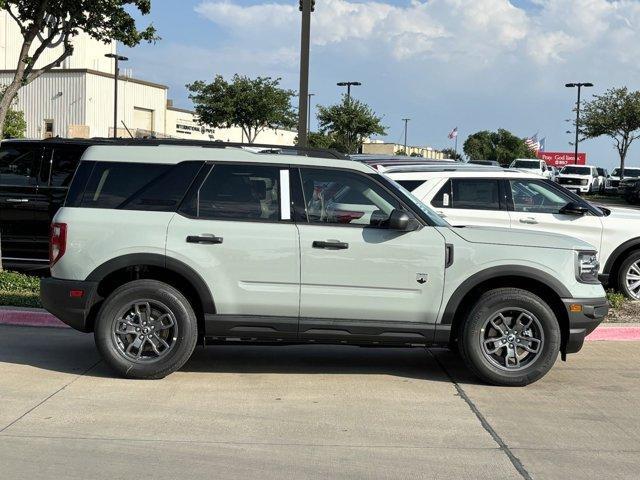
17	200
529	220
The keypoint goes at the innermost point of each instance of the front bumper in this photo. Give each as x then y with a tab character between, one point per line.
584	316
61	298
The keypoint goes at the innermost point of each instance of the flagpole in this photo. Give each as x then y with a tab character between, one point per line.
456	149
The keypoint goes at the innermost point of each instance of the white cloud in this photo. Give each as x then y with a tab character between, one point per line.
442	29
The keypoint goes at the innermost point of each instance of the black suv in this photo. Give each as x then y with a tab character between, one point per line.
34	178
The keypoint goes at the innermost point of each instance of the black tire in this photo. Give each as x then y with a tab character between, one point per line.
183	338
472	336
621	279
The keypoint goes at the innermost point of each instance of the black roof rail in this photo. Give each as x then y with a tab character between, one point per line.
268	148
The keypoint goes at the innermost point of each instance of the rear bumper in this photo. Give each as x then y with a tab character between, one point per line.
584	316
56	297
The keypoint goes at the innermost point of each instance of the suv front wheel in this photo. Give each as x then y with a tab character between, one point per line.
510	338
146	329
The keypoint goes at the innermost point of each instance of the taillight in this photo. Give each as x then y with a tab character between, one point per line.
58	244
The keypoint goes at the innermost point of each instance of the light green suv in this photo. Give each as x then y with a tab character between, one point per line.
161	246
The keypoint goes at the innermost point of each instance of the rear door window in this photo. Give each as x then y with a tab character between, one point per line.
237	192
469	194
19	164
64	162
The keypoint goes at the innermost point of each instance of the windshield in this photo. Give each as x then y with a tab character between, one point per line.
628	172
435	219
526	164
574	170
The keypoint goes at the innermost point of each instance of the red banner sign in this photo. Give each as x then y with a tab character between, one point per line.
560	159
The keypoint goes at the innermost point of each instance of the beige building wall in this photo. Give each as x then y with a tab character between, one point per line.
182	123
381	148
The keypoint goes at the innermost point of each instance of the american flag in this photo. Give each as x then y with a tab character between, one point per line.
533	143
453	133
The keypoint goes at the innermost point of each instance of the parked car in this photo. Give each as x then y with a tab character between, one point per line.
380	162
580	178
613	182
489	163
532	165
519	200
34	179
630	189
159	246
603	175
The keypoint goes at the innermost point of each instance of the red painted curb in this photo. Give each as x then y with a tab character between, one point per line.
615	334
30	318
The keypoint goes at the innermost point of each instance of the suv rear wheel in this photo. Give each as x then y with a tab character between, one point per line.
510	338
629	276
146	329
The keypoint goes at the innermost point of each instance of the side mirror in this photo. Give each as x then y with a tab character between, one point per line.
399	220
574	208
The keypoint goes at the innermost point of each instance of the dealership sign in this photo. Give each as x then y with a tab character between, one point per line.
560	159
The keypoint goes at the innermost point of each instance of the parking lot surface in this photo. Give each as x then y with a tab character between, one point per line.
311	412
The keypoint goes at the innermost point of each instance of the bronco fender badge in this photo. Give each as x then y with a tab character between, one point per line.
422	278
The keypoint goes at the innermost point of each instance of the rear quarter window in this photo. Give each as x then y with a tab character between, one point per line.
131	186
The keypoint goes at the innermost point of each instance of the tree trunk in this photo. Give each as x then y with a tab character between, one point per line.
6	101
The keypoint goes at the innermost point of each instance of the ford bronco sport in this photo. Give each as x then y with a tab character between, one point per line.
159	247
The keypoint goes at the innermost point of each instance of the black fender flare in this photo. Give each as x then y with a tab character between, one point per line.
162	261
615	255
500	271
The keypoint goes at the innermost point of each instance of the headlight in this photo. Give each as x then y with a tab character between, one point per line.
587	267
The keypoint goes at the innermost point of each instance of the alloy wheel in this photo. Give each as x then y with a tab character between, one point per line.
512	339
633	279
145	331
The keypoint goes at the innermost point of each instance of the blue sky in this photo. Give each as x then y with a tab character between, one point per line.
474	64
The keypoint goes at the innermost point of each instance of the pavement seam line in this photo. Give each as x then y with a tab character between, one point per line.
515	461
80	375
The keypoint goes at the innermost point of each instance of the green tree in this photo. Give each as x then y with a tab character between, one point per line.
46	23
251	104
614	114
14	125
349	122
451	153
502	146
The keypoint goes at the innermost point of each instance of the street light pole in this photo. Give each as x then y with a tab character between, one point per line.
118	59
349	85
309	114
579	86
306	7
406	125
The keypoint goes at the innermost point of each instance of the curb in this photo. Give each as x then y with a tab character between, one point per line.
34	317
31	317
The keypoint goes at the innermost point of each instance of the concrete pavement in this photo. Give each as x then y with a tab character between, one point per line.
311	412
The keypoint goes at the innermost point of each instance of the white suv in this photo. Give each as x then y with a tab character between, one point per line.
507	198
532	165
158	246
580	178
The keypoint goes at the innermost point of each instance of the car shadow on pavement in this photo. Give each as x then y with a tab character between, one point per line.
414	363
71	352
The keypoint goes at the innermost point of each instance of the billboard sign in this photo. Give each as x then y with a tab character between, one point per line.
560	159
